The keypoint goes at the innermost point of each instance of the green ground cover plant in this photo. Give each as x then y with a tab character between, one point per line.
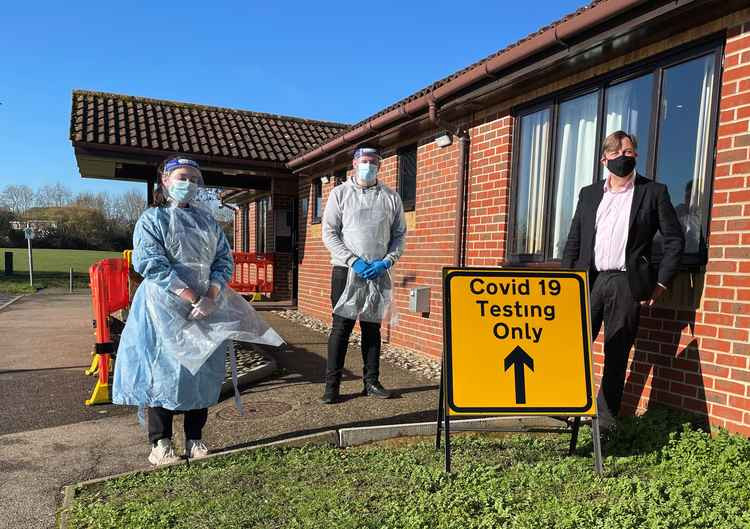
660	472
51	268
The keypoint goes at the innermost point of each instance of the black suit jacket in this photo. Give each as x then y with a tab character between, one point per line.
651	210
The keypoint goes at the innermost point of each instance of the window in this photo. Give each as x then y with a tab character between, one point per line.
339	177
628	108
244	216
303	207
683	157
317	201
407	176
532	177
669	105
575	161
261	224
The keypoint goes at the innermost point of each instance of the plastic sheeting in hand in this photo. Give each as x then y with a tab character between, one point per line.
366	231
193	341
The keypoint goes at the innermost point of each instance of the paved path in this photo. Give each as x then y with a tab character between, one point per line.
48	439
5	298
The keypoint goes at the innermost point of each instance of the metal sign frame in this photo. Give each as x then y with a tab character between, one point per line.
445	397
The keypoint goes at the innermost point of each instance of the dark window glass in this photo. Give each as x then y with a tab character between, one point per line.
261	225
407	176
531	183
317	200
339	177
628	108
303	206
574	166
245	215
682	156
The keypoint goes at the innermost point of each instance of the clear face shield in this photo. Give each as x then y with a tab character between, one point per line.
366	165
181	179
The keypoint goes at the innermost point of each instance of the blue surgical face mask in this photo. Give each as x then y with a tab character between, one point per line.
367	174
183	191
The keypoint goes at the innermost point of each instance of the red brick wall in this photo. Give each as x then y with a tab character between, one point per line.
429	246
488	191
314	267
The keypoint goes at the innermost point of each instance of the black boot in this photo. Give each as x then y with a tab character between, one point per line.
331	394
375	389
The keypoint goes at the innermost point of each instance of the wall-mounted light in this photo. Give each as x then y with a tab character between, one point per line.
325	179
444	140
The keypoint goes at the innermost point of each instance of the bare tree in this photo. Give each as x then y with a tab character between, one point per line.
128	206
54	196
17	199
98	201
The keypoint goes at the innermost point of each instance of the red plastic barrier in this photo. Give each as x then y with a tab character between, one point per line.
109	293
253	273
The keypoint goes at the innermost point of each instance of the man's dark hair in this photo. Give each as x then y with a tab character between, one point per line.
366	146
613	142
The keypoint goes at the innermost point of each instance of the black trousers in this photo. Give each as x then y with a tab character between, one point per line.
160	423
613	304
341	330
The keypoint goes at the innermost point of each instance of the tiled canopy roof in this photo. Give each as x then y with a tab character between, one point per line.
125	121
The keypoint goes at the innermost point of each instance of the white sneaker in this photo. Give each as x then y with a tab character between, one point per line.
163	453
195	449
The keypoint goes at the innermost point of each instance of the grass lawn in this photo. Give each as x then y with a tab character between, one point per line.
659	474
51	268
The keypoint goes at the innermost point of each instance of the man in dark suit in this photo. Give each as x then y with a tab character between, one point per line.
611	236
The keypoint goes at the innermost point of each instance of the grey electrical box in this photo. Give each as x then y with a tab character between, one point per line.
419	299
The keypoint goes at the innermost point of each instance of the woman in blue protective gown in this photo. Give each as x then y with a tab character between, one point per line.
171	355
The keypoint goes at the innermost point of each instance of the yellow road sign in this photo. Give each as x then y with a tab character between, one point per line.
518	342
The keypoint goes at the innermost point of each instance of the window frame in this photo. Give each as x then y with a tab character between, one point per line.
245	228
317	186
408	206
711	46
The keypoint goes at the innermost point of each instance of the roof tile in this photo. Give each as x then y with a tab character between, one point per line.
113	119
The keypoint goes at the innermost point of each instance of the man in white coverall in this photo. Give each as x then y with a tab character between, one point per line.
365	231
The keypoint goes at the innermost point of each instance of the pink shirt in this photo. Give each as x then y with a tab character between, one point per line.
612	225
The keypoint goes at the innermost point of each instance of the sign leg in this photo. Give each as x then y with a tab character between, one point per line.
574	436
31	265
597	446
447	441
439	411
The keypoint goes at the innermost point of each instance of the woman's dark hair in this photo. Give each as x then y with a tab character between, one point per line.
160	195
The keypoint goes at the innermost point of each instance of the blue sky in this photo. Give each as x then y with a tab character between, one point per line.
336	61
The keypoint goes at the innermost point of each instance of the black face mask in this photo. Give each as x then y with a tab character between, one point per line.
622	165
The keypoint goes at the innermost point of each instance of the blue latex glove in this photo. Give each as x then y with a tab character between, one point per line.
376	269
360	266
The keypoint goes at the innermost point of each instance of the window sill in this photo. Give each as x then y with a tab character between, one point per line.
529	264
692	264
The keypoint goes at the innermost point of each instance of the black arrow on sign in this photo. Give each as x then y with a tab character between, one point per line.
517	358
